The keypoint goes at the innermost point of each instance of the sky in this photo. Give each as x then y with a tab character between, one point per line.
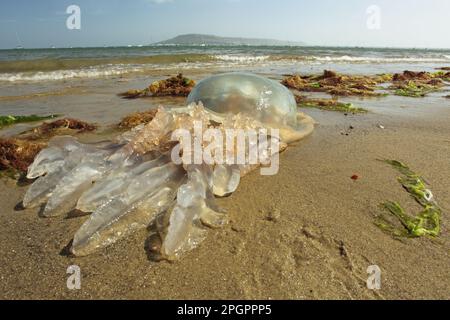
374	23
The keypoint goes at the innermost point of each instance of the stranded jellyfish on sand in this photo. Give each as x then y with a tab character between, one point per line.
134	182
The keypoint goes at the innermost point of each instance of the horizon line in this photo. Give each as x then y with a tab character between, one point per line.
158	44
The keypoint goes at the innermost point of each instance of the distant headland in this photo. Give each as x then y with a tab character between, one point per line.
203	39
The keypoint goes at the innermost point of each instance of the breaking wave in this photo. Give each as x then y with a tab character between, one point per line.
346	58
43	64
241	58
65	74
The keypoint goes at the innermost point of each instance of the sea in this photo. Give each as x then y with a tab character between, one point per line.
55	64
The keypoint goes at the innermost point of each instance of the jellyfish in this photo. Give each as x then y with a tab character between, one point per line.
150	176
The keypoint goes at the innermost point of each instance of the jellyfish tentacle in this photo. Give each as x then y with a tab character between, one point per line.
47	161
226	179
116	220
67	192
265	154
152	179
55	162
114	184
42	188
130	210
52	158
185	230
212	215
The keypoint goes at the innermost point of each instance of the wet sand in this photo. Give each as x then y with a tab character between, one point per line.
305	233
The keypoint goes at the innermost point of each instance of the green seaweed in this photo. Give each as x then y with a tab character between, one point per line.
10	120
387	226
400	166
444	75
385	77
327	104
415	90
339	107
439	74
427	222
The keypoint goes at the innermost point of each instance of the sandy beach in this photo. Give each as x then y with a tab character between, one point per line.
306	233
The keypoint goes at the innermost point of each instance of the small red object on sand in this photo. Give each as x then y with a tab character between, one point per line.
355	177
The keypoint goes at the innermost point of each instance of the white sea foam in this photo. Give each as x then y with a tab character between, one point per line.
68	74
99	72
406	59
221	61
241	58
246	59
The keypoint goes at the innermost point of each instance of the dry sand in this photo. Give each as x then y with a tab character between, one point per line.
305	233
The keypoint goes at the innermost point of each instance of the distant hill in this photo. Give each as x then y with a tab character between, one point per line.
203	39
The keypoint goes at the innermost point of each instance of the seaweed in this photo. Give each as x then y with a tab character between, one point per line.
328	104
10	120
337	85
177	86
50	129
411	75
17	154
132	120
134	93
414	89
408	83
384	77
443	75
418	84
426	222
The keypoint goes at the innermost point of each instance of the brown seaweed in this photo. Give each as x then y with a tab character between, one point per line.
61	126
337	85
18	154
177	86
132	120
418	84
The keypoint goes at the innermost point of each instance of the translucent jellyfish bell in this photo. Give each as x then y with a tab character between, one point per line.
261	98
